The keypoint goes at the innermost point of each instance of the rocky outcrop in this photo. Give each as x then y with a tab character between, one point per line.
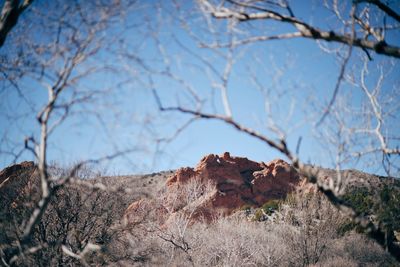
236	182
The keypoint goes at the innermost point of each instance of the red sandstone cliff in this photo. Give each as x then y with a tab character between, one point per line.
235	181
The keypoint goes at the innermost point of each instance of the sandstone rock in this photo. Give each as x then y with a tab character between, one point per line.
238	181
181	175
275	181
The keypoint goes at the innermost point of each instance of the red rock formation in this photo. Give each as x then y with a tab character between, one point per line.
181	175
238	182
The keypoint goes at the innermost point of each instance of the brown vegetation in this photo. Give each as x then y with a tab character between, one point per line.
85	225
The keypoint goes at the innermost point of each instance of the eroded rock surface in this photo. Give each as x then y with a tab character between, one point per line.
235	182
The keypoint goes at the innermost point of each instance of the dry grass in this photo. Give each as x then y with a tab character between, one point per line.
303	232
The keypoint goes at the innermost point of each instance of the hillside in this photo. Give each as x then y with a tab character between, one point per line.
227	211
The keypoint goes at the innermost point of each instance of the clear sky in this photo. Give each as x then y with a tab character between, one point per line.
287	82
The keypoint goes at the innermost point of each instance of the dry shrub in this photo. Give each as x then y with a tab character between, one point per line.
303	232
309	225
188	195
237	242
358	250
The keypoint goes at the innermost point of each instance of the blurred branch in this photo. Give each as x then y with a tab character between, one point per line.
10	13
255	39
385	8
305	29
341	73
280	145
377	111
81	254
60	75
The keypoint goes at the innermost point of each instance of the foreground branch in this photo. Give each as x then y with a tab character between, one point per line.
385	8
305	29
10	13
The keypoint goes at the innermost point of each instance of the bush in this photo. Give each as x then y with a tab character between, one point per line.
361	200
388	209
271	206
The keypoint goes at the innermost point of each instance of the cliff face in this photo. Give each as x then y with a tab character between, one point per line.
240	181
221	185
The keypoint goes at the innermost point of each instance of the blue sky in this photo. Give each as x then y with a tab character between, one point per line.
295	75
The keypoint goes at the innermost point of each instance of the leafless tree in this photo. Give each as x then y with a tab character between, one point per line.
316	222
182	203
58	63
67	56
357	34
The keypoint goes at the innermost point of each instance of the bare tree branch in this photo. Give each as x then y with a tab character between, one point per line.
306	30
10	13
255	39
341	73
385	8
